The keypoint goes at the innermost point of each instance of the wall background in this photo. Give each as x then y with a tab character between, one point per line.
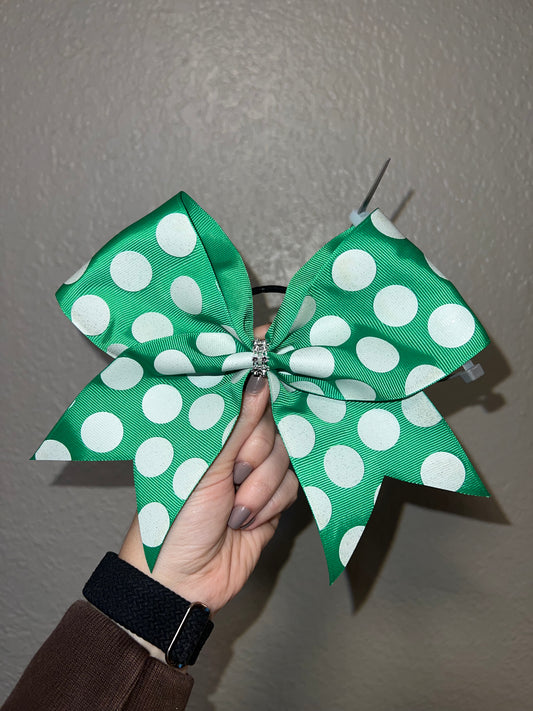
276	116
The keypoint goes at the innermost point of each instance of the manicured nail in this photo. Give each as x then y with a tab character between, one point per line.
238	516
255	384
249	523
241	471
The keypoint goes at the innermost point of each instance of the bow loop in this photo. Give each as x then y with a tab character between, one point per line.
374	310
172	272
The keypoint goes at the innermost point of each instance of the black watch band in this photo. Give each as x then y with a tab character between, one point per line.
148	609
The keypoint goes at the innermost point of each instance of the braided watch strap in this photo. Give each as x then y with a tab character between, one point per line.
149	609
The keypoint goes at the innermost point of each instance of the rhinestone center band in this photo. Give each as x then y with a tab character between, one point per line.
260	357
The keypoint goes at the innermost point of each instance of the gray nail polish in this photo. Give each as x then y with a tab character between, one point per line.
238	516
248	524
241	471
255	384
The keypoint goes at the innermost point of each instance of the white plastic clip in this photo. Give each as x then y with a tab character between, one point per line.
357	217
469	372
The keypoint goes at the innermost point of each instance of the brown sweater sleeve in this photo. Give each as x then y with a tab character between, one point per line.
88	663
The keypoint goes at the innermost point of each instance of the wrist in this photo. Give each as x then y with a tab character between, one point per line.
191	587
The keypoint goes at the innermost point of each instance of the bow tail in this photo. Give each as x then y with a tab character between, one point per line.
342	450
99	425
199	432
172	428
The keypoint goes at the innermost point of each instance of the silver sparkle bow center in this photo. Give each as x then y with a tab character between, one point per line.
260	357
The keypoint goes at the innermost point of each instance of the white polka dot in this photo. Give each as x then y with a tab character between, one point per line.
343	466
150	326
52	449
378	429
443	471
172	362
329	331
395	305
131	271
233	332
353	270
385	226
205	381
162	403
78	274
287	387
285	349
215	344
186	294
308	387
326	408
355	389
227	431
316	362
239	374
377	355
376	494
206	411
420	411
154	456
115	349
422	376
154	523
187	476
298	435
320	505
274	386
123	374
451	325
90	314
176	235
237	361
435	269
349	543
102	432
307	309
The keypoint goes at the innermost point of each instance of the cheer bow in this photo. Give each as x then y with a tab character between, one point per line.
365	325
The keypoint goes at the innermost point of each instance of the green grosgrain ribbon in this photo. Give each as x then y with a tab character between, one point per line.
365	325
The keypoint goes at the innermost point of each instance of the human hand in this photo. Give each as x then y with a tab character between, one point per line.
216	540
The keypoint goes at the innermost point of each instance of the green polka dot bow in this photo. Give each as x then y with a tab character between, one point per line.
365	325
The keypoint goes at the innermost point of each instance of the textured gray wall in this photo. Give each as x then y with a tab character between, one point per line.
275	116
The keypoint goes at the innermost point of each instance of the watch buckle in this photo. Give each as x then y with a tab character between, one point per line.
178	632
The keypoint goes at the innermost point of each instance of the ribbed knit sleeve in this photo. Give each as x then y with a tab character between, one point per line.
88	663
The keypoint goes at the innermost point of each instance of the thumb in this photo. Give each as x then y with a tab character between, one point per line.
254	403
255	400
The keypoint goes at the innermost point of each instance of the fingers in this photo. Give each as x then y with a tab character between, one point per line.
256	449
254	403
260	486
284	497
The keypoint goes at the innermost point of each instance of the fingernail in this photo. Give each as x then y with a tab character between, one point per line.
241	471
249	523
238	516
255	384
